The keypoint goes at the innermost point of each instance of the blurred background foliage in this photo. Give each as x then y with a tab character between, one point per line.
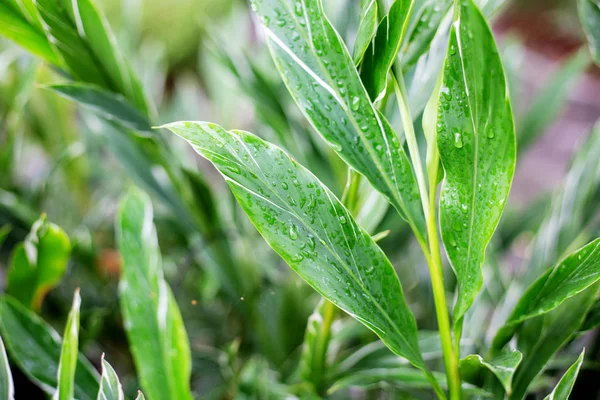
244	310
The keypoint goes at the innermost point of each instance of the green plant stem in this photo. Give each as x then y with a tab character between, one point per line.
319	360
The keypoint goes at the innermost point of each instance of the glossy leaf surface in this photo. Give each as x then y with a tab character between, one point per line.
320	74
110	387
565	385
366	29
151	317
7	388
36	348
311	230
589	14
502	366
476	142
69	353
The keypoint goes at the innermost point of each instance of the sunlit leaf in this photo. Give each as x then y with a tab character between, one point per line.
589	14
151	317
38	264
69	354
502	366
7	388
320	74
366	29
310	229
476	141
110	387
565	385
36	349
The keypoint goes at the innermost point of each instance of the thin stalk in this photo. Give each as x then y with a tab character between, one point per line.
318	368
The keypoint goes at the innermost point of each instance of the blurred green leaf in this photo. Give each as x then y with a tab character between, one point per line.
311	230
110	387
476	142
151	317
140	396
589	14
366	29
502	366
570	276
69	353
565	385
38	264
321	76
105	104
592	319
4	231
7	388
383	50
36	348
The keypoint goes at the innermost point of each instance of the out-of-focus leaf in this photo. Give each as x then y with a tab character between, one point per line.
110	387
502	366
14	26
570	276
541	337
36	349
366	29
4	231
589	14
550	99
151	317
320	74
592	319
7	388
565	385
311	230
105	104
476	142
69	354
140	396
383	50
38	264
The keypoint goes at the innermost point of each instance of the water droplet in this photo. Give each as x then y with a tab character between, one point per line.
284	185
370	270
293	232
355	103
458	143
490	133
343	220
311	243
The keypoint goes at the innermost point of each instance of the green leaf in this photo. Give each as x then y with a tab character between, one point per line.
592	319
476	142
366	29
7	388
320	75
589	14
151	317
4	231
383	50
105	104
14	26
38	264
311	230
140	396
565	385
570	276
69	354
502	366
110	387
36	349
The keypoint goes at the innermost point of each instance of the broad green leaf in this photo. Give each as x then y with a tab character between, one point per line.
38	264
151	317
383	50
36	349
110	387
311	230
589	14
565	385
502	366
366	29
476	142
7	388
105	104
570	276
320	75
69	354
541	337
15	27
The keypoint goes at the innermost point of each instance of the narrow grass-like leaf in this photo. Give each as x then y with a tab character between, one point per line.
589	14
105	104
565	385
110	387
383	50
36	349
7	387
575	273
476	142
320	74
38	264
311	230
152	318
502	366
69	353
366	29
140	396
